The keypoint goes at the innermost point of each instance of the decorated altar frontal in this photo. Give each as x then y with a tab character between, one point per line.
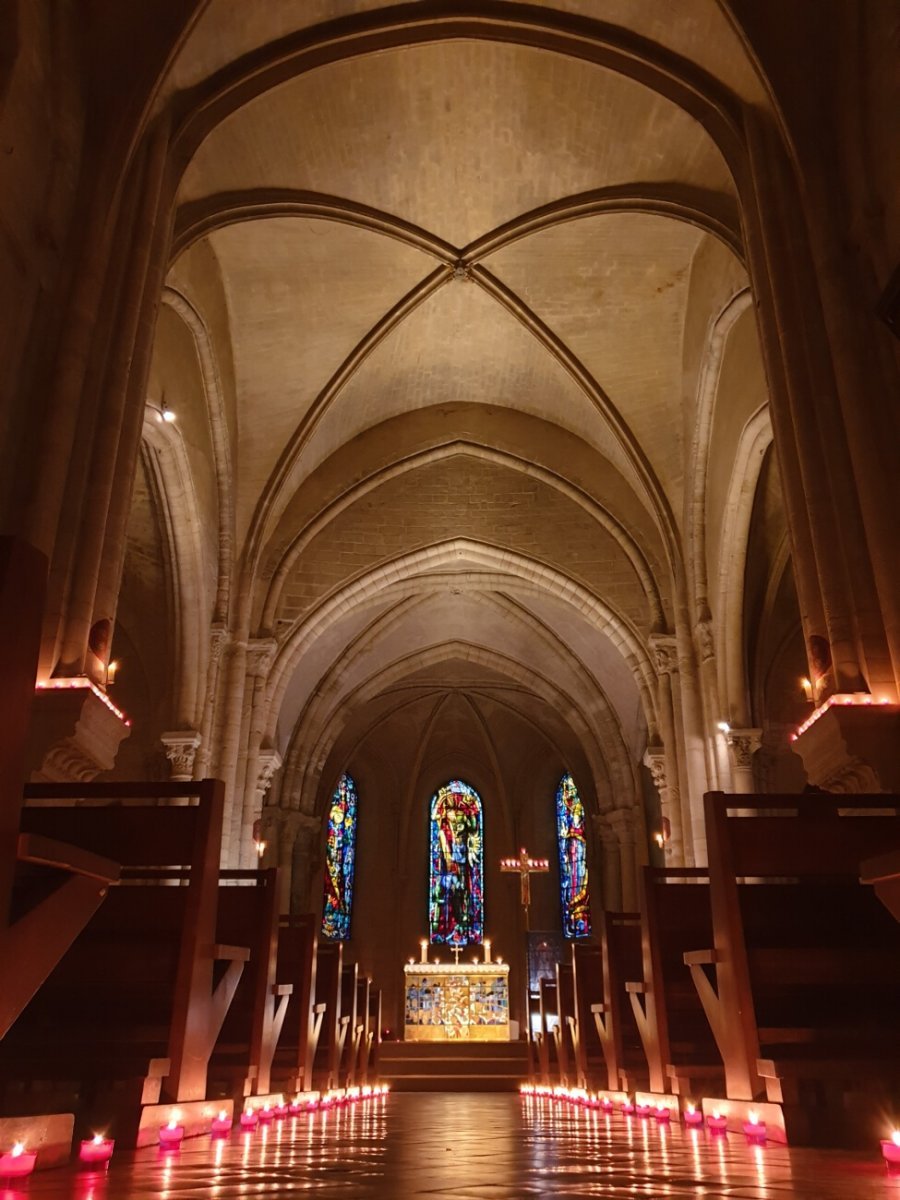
456	1001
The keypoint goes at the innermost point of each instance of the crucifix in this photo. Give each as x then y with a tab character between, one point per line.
456	951
525	867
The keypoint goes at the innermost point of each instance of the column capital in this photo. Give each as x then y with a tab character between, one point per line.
260	655
218	639
181	746
706	641
743	744
655	760
269	761
621	821
664	648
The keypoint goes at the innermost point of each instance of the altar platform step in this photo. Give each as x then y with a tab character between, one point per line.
453	1066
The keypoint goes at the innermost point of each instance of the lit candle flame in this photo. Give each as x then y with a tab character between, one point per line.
753	1118
691	1108
18	1148
223	1115
98	1139
895	1137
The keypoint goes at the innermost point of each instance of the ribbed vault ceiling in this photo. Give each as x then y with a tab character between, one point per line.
448	286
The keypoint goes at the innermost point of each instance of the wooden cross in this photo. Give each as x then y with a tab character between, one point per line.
525	867
456	951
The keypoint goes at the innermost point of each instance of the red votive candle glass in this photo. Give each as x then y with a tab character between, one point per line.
295	1108
643	1110
17	1162
221	1123
281	1111
266	1113
249	1119
662	1113
716	1123
627	1107
890	1149
692	1116
97	1149
754	1128
171	1135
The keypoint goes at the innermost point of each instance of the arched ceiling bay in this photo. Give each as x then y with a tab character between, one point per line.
413	131
702	33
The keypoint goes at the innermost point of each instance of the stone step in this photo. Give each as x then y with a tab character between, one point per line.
458	1066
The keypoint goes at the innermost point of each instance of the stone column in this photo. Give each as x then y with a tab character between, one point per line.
673	849
305	857
665	656
268	763
260	656
609	849
75	733
622	822
181	748
742	745
218	639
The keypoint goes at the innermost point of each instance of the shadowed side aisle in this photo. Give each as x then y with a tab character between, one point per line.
472	1147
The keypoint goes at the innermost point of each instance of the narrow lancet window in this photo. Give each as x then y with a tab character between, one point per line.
456	896
340	857
573	868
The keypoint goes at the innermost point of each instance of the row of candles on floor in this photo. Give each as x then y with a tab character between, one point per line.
716	1122
18	1161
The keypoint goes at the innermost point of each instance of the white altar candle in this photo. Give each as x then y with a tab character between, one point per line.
487	950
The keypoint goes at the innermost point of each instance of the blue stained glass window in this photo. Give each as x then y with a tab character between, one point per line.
573	868
456	896
340	856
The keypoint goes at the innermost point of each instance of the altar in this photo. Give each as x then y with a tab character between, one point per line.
452	1001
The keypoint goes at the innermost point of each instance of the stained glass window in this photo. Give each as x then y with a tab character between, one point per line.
456	897
573	868
340	855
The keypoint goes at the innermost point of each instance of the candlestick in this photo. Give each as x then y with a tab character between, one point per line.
17	1162
221	1123
487	950
890	1149
423	948
97	1149
171	1135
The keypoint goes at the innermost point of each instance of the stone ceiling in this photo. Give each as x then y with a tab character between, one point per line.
446	289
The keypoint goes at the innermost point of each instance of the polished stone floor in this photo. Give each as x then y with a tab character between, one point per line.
471	1147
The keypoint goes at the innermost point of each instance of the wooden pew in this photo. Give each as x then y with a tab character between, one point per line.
349	1053
614	1019
565	1033
883	874
682	1056
137	1002
804	988
295	1051
48	890
375	1026
248	915
587	984
364	1019
549	1015
333	1030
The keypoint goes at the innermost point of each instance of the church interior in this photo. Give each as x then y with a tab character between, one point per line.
448	579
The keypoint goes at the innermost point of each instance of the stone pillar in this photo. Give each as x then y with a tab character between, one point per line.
181	748
305	857
665	655
622	823
612	877
742	745
218	639
268	763
673	848
260	656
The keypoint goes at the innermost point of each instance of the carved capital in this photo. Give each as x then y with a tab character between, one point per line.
260	656
622	824
181	748
664	648
82	732
656	761
269	762
706	642
218	639
743	744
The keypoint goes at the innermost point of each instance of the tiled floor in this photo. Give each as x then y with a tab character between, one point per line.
472	1147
